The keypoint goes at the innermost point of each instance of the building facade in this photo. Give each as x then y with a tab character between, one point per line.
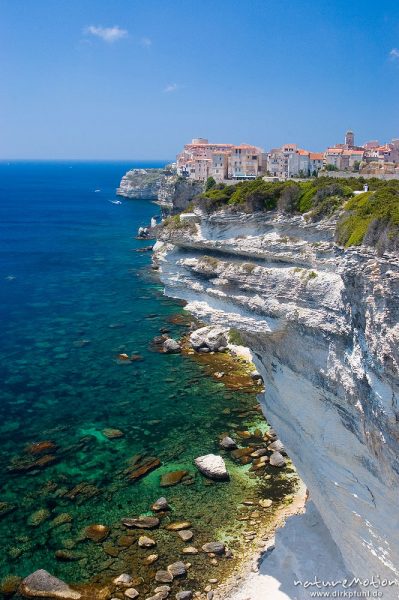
201	159
290	161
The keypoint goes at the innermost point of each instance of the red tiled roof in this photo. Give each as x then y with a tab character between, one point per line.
334	150
205	145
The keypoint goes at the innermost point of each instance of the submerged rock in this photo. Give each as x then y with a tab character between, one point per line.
172	478
228	443
242	452
61	519
214	548
125	541
24	464
66	556
38	517
124	579
177	569
131	593
143	468
41	584
146	542
212	466
171	346
162	589
141	522
9	585
111	433
163	577
190	550
161	592
43	447
97	533
160	504
178	525
6	508
184	595
259	453
150	559
186	535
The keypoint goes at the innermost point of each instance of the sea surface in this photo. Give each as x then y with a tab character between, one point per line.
74	294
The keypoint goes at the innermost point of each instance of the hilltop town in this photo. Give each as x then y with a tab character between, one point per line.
201	159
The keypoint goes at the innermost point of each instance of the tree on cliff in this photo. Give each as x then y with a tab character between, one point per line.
289	198
210	184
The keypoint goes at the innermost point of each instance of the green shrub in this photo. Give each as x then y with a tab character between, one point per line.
175	223
306	198
235	337
248	267
373	218
210	184
210	261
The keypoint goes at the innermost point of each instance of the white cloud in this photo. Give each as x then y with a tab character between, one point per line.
394	54
107	34
146	42
171	87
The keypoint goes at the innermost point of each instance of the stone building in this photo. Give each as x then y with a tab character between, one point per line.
201	159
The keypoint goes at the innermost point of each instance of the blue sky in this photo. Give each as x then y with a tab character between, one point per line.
130	79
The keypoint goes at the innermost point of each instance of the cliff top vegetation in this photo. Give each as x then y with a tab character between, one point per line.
371	218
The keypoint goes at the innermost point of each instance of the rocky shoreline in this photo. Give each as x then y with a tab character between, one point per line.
258	517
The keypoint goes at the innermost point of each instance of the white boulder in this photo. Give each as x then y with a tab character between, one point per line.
213	338
41	584
212	466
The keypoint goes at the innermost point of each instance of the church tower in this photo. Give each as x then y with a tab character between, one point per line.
349	138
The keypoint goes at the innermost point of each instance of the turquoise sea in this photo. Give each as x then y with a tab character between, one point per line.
75	294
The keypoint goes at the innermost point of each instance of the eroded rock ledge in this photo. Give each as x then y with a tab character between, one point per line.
323	324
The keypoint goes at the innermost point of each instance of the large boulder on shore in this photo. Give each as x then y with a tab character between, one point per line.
277	460
212	466
214	339
41	584
276	446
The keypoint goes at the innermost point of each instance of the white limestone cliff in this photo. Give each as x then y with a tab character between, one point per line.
322	323
163	185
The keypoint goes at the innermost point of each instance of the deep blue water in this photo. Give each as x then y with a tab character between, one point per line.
74	293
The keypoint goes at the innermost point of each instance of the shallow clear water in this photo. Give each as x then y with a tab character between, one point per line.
75	294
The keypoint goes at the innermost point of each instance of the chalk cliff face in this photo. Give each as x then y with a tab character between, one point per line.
143	183
172	192
323	324
176	193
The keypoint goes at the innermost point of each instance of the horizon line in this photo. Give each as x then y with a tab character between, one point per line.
85	159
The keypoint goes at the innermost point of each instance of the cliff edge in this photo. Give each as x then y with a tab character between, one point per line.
322	322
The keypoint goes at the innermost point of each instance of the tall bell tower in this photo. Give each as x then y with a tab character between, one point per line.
349	138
